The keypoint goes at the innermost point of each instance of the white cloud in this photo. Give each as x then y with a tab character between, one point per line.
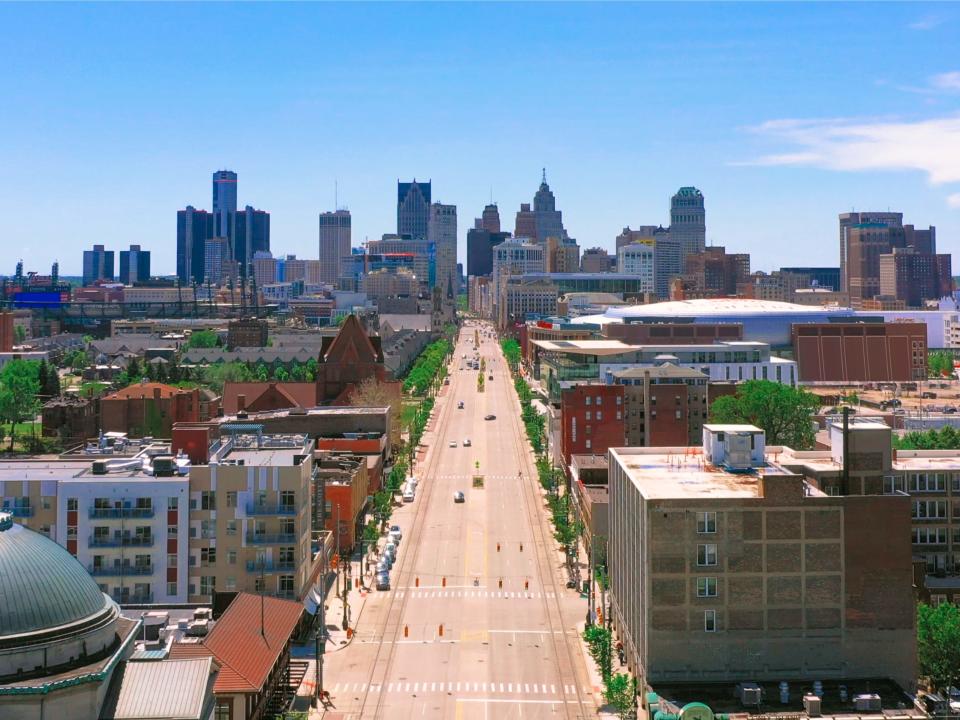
946	81
954	200
844	144
928	22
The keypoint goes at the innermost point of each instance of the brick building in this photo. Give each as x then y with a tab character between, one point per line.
665	405
72	420
715	273
248	332
860	352
6	332
346	486
151	409
348	359
592	419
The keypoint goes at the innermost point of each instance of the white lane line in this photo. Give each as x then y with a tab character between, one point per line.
390	687
526	688
544	688
510	687
501	687
476	687
407	688
458	687
433	686
336	687
416	687
553	689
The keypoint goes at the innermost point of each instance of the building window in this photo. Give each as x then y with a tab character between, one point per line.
598	400
707	555
929	509
588	444
286	585
288	527
288	498
706	587
173	503
599	415
588	415
71	504
231	498
171	560
208	500
706	523
208	556
232	557
231	527
171	531
619	400
231	583
208	584
709	620
586	400
171	588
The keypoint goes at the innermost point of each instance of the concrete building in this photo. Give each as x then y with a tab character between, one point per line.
306	271
595	260
688	223
561	255
915	278
420	255
515	256
224	202
664	405
335	243
860	352
442	232
727	567
826	278
519	300
134	265
218	263
480	245
97	265
490	218
194	228
264	268
714	273
386	284
850	219
251	228
548	221
413	209
638	258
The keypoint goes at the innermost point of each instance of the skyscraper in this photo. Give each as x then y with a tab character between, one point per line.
547	219
688	223
847	221
525	225
97	265
413	209
442	231
224	202
134	265
251	230
490	220
194	228
334	244
480	245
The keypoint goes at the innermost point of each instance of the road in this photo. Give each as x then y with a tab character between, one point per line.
478	623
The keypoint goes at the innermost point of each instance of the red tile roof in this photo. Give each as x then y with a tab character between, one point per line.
246	656
274	395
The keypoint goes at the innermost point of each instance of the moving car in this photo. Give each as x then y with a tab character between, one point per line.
490	377
458	497
460	405
383	581
453	443
466	442
489	417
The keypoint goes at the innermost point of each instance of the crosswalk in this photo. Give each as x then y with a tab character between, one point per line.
478	594
538	690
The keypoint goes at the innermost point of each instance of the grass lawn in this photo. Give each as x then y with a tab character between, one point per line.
407	414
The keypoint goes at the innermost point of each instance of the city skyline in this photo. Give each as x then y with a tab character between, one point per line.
858	129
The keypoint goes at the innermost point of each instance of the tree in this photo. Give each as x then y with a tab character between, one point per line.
511	351
946	438
203	339
620	691
781	411
48	380
19	334
938	643
214	376
940	364
373	393
18	394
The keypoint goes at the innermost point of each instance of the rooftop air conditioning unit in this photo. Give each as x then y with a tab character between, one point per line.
99	467
811	704
750	694
868	702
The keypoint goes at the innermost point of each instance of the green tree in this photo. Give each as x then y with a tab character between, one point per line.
938	643
782	412
18	394
600	644
620	691
946	438
261	371
214	376
19	334
940	364
511	351
203	339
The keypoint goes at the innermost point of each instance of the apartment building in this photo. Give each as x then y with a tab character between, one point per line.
728	567
250	519
341	487
663	405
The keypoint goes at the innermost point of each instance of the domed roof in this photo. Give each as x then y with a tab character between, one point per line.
42	586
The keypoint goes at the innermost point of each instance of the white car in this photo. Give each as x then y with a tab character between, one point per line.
408	495
453	443
466	442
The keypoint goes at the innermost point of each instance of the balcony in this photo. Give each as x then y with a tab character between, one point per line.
126	569
270	566
287	510
133	598
23	511
271	539
120	513
122	541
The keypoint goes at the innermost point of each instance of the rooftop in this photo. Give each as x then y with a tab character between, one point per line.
707	307
174	689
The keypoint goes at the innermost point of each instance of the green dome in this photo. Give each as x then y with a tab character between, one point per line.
42	586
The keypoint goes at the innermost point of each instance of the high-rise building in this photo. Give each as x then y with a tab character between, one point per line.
688	220
914	277
251	235
264	268
442	232
296	269
561	255
847	221
334	243
668	253
97	265
525	224
595	260
224	202
715	273
413	209
547	219
490	220
515	256
480	245
194	228
217	261
638	258
134	265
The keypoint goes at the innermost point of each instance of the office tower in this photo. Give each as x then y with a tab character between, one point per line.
97	265
224	202
668	253
525	224
914	278
480	245
306	270
848	220
134	265
547	219
715	273
251	235
419	254
638	258
413	209
334	244
216	261
688	220
595	260
194	228
442	232
490	220
514	257
561	255
264	268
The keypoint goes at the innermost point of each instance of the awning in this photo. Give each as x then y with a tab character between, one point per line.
311	601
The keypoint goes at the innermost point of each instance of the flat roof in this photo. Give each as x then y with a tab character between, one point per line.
683	472
265	457
732	428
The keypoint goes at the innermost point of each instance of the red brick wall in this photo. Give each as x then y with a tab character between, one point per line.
6	332
577	429
666	429
860	352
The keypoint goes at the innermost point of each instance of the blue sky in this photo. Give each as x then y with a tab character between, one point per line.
114	116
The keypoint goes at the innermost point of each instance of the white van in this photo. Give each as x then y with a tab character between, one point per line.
408	494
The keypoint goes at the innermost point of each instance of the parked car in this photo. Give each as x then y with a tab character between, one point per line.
467	443
395	537
927	395
460	405
383	581
453	443
459	497
395	529
408	495
384	566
